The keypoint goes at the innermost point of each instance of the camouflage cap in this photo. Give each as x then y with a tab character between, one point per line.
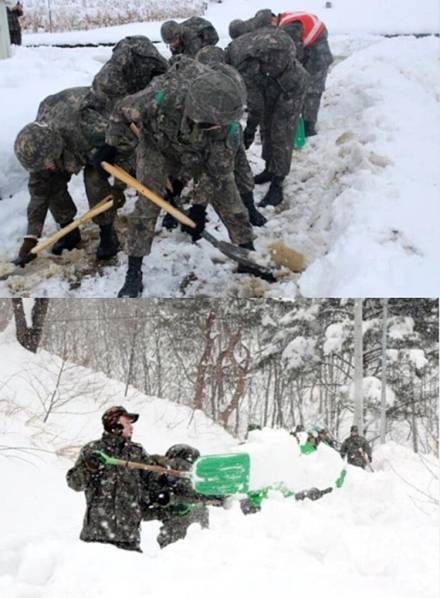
354	429
110	418
214	98
262	18
210	55
183	451
169	31
232	72
36	145
237	27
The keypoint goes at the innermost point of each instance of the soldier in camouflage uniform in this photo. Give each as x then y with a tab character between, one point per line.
114	495
15	11
276	84
312	50
315	56
52	149
173	501
215	56
134	62
189	36
356	448
188	129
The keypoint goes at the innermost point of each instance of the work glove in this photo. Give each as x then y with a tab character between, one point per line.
197	213
93	462
24	254
160	498
248	137
105	153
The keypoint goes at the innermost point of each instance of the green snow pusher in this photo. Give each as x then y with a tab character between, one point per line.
219	475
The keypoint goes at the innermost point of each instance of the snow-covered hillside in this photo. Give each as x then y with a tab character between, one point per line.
375	536
361	197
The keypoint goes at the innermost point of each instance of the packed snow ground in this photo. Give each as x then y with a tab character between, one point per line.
361	198
377	536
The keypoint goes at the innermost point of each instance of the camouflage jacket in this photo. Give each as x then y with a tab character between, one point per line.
62	111
353	447
13	17
196	34
134	62
265	58
159	111
113	494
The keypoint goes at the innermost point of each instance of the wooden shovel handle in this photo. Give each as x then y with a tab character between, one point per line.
104	205
153	468
120	174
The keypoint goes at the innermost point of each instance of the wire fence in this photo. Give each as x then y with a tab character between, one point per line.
56	15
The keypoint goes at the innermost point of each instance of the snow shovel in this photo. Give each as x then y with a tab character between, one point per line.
104	205
237	254
219	475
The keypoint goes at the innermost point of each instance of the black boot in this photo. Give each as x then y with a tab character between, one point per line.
133	286
255	217
109	245
263	177
275	194
309	128
68	242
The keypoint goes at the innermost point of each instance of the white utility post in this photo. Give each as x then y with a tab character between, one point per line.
5	40
358	366
383	402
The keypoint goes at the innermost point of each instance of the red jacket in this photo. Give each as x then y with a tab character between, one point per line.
312	25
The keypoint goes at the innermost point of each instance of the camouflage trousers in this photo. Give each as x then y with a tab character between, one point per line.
49	192
317	60
175	527
244	179
280	119
153	169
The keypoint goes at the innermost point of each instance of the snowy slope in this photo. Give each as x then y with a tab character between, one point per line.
361	198
376	536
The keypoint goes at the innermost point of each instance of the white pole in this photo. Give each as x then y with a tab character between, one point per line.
383	402
5	40
358	366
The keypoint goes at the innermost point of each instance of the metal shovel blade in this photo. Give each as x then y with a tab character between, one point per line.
241	256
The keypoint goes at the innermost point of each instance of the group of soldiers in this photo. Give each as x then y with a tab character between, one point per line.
355	448
175	123
119	498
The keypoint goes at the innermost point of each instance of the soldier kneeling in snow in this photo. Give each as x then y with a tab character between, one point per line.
172	500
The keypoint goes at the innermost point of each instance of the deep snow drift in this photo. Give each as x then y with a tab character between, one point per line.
361	198
375	536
